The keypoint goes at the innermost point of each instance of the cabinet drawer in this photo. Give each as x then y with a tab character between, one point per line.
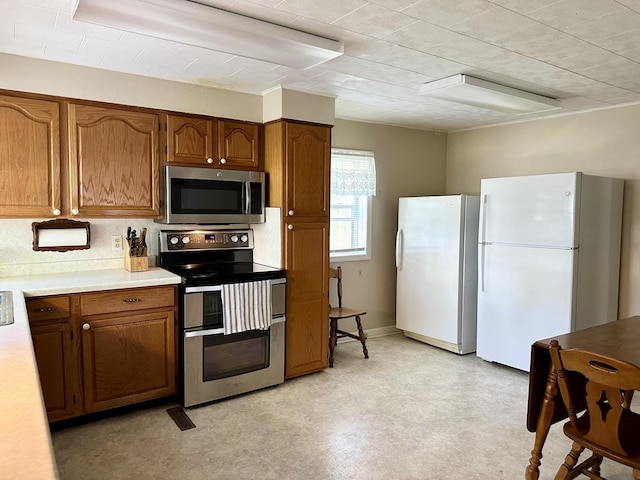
114	301
48	308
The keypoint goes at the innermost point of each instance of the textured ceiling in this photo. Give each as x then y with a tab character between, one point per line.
584	52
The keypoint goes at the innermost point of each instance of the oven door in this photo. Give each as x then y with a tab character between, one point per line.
218	366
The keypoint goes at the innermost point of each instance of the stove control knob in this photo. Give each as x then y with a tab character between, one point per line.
185	239
244	238
234	238
173	240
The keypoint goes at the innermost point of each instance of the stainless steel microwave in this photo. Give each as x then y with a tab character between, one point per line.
207	196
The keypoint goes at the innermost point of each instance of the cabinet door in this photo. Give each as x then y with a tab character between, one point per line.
307	297
238	144
308	163
29	158
127	359
191	140
113	157
54	354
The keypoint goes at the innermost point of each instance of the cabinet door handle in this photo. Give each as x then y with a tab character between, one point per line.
290	213
290	227
45	309
75	211
131	300
86	326
209	160
56	211
223	161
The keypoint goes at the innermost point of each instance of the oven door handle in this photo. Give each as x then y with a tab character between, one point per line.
208	288
218	288
204	333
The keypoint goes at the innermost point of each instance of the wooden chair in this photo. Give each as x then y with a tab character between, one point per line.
340	313
603	422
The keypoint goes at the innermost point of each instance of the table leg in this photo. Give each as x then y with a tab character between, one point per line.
532	471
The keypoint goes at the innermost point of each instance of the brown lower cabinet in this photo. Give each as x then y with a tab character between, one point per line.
54	353
102	350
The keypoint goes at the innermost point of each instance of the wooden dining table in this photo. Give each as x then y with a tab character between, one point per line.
619	339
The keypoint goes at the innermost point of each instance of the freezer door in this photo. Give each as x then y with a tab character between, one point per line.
428	273
532	210
526	295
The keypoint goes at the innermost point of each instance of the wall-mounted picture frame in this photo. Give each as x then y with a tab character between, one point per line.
61	235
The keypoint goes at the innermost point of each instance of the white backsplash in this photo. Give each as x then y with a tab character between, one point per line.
18	258
267	248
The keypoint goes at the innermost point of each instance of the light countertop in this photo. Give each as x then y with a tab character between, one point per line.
25	440
87	281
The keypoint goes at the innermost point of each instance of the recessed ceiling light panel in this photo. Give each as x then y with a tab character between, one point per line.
493	96
200	25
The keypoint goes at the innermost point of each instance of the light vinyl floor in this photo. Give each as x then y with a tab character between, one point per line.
410	411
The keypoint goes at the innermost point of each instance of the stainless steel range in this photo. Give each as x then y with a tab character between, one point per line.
232	313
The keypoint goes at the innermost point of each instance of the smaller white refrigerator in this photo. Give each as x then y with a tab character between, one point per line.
437	268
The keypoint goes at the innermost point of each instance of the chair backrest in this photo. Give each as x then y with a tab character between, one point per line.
337	274
608	421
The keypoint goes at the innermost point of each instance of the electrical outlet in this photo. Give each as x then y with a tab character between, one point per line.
116	242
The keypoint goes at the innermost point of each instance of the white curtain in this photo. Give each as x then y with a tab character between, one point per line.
353	172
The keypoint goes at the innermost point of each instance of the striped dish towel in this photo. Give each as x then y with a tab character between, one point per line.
246	306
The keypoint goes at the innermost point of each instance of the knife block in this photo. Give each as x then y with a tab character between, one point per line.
135	264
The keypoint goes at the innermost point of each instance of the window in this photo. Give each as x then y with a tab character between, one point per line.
353	184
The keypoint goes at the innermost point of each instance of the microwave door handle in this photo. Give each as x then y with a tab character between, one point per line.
247	196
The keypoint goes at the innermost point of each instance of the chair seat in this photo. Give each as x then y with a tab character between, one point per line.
345	312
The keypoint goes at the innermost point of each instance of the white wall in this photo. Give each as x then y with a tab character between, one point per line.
408	163
60	79
605	142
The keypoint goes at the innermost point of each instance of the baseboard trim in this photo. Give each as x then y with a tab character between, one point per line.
373	332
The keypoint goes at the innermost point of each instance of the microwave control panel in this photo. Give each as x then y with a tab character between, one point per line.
205	240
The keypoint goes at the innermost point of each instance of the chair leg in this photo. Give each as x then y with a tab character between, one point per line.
569	462
332	339
363	339
596	468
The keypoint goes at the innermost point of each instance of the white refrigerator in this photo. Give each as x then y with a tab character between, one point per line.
548	260
436	263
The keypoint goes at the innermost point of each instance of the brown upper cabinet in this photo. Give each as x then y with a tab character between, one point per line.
29	158
74	158
191	140
113	161
206	141
239	144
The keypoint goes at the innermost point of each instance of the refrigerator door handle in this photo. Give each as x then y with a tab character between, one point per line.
482	248
483	223
482	242
399	246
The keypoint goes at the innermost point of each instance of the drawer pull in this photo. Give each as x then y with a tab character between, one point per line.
131	300
45	309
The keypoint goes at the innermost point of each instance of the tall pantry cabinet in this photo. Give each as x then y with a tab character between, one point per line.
297	160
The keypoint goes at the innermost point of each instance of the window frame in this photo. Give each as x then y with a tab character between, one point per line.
349	256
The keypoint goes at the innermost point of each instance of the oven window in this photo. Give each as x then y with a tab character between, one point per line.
212	310
206	196
229	355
